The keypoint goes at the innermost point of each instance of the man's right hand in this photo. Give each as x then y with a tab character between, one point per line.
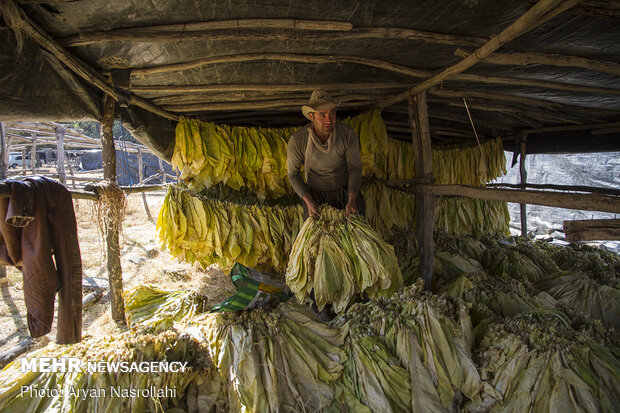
312	209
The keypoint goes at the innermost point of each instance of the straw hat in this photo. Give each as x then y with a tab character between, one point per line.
319	100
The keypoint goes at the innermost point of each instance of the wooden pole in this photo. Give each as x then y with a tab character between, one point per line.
60	154
23	162
162	171
286	30
4	169
454	74
141	178
136	88
112	228
535	16
5	147
523	175
579	188
587	202
68	158
33	153
592	229
418	118
523	59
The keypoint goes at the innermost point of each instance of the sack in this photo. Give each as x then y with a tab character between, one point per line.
254	289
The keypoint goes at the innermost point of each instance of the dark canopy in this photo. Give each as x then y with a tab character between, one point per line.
256	63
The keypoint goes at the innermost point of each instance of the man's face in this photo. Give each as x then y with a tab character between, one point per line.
323	122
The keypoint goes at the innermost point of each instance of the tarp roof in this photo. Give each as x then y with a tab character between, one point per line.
256	62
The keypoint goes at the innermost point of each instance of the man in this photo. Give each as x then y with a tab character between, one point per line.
330	155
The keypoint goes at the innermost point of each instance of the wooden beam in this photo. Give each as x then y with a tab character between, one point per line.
245	97
141	179
5	149
137	88
425	223
68	159
142	188
395	68
207	30
48	128
284	104
112	227
524	59
537	15
11	354
279	29
586	202
523	177
572	188
279	57
162	171
592	230
77	66
89	193
60	157
33	153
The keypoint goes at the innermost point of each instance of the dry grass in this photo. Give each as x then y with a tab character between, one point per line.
142	261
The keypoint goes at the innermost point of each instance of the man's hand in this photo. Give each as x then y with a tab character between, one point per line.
351	207
312	209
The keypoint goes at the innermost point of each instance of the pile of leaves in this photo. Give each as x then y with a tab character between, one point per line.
196	388
280	359
160	309
339	258
549	273
538	362
411	352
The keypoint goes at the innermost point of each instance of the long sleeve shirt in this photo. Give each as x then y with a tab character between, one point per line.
336	165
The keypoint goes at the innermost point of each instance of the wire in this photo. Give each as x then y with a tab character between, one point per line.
472	124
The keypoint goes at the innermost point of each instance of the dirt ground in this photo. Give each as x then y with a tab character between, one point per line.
142	260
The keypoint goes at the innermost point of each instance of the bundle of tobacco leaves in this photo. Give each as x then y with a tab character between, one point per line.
282	359
431	339
149	306
539	363
338	258
210	231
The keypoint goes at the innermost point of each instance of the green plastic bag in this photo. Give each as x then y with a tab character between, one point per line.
254	289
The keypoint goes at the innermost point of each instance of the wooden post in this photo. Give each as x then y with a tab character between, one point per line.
23	162
418	118
112	228
141	178
523	174
60	154
162	171
33	153
68	158
5	149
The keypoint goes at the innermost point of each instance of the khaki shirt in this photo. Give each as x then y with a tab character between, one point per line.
335	166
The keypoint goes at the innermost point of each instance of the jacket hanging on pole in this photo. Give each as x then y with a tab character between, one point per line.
38	234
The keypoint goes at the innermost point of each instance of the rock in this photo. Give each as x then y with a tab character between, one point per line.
152	253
